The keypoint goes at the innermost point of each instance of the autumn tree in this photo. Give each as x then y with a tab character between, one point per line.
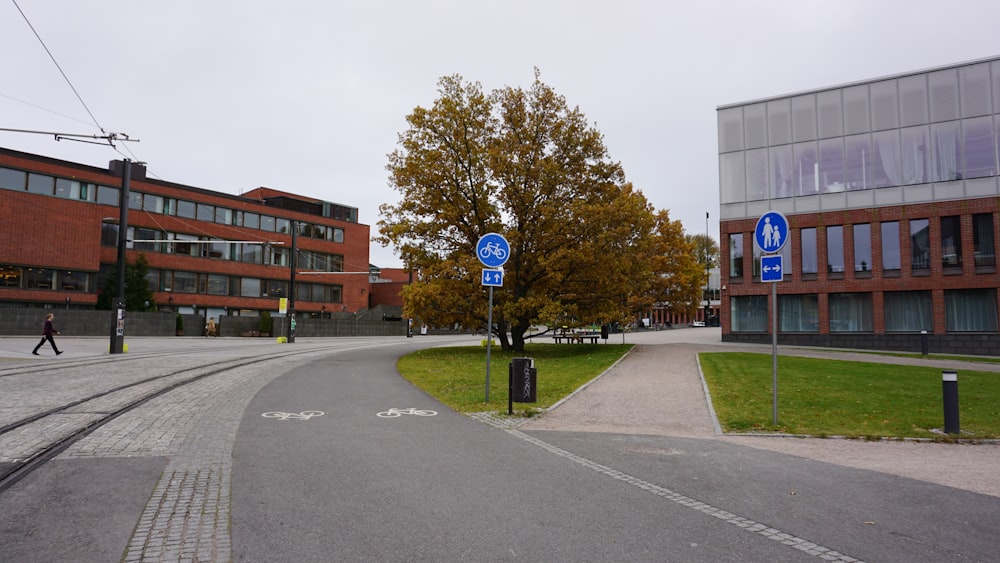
585	245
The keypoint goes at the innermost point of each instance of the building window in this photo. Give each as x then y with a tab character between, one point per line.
152	203
41	184
223	216
251	220
748	313
206	212
850	312
810	260
756	174
920	247
982	239
799	313
781	173
252	253
250	287
334	234
140	237
835	251
185	282
12	179
863	248
831	165
186	245
283	226
977	148
185	209
218	250
951	242
39	278
109	234
267	223
970	310
736	256
908	311
10	276
890	247
218	285
944	141
107	195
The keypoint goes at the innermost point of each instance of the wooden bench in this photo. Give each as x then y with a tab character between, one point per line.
577	337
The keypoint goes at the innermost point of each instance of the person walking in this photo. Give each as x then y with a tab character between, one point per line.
210	327
47	333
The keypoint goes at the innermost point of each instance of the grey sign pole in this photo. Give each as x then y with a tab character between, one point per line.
489	344
774	354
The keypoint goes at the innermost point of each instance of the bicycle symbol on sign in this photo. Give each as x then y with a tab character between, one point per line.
304	415
492	249
394	412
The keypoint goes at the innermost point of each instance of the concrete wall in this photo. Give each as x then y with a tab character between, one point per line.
29	322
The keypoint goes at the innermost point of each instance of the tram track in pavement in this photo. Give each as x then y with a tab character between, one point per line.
44	435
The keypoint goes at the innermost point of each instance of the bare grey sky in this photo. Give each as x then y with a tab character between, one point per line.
309	97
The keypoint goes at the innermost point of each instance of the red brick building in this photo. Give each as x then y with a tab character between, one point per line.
891	192
211	252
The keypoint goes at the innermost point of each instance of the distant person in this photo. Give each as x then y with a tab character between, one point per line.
47	333
210	327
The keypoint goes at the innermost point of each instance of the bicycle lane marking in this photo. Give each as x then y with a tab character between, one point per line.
768	532
304	415
395	412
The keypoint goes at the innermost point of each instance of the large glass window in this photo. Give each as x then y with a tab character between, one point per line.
920	247
782	171
978	151
74	281
251	220
806	179
830	114
756	175
109	234
886	168
141	236
732	177
223	215
186	245
890	246
850	312
39	278
283	225
799	313
970	310
944	141
810	260
748	313
908	311
218	250
982	239
857	161
951	241
862	247
267	223
334	234
831	165
835	249
915	155
736	256
252	253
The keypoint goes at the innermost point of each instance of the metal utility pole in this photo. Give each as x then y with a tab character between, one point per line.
118	305
291	286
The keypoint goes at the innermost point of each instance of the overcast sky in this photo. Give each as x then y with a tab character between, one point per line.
309	97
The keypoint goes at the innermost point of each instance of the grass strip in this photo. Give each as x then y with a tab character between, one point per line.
456	376
840	398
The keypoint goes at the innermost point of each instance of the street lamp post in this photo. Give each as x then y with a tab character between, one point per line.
117	344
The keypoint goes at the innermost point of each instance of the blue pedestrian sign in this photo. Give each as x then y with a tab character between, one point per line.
492	250
493	278
770	268
771	232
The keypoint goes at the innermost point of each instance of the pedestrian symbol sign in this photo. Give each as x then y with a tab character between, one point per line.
770	268
771	232
493	278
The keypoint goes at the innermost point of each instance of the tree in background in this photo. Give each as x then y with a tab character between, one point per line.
706	250
585	246
138	296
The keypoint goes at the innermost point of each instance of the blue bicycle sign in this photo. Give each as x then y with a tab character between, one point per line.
492	250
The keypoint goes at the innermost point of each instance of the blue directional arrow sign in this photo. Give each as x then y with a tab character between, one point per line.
770	268
493	278
492	250
771	232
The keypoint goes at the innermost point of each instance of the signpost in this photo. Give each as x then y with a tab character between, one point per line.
770	235
493	251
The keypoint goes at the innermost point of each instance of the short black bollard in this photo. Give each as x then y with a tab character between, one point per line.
949	384
923	343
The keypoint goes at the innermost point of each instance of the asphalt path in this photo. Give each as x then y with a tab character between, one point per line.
350	485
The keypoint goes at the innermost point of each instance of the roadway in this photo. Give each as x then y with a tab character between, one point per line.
200	474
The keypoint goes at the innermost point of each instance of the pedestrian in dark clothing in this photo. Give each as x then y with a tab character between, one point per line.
47	333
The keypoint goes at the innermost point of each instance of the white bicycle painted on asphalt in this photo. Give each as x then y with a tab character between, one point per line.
304	415
393	413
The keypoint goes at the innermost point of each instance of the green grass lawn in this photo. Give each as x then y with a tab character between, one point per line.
838	398
456	376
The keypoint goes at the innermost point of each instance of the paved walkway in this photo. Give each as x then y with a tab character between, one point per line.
658	390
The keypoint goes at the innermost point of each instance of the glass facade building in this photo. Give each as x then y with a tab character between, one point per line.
891	191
